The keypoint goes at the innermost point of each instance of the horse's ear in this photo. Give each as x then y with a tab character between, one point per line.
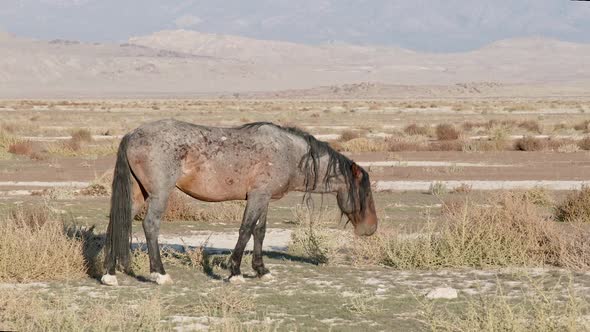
356	171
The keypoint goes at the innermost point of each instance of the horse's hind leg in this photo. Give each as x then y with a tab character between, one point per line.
255	207
259	232
151	226
138	197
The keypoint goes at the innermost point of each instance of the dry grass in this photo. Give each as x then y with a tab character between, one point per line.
583	126
81	135
540	308
414	129
22	148
35	247
476	236
447	132
584	143
531	125
76	148
348	135
469	235
363	144
462	189
529	143
312	238
575	207
32	311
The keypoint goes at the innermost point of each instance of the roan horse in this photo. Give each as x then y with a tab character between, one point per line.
256	162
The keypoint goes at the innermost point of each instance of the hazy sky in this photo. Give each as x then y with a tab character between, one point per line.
430	25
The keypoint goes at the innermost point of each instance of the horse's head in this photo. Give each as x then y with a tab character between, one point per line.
356	201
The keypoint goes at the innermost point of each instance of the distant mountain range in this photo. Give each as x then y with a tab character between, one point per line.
188	63
425	25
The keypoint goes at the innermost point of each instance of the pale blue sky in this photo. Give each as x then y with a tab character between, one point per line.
451	25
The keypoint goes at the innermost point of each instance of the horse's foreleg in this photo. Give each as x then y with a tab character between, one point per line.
259	232
256	205
151	227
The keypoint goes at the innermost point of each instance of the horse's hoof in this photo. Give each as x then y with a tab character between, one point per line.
160	279
237	279
109	280
267	277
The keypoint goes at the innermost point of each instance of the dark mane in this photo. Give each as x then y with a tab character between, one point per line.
338	165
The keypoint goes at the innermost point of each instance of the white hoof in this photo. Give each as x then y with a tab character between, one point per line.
109	280
267	277
236	279
160	279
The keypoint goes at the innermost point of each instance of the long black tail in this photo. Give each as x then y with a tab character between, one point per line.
118	241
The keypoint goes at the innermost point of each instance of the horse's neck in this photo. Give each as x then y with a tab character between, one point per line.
306	184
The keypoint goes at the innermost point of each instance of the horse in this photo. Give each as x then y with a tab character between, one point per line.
256	162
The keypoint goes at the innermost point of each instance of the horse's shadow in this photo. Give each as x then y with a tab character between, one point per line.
93	246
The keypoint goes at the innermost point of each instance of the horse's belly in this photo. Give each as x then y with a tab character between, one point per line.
212	187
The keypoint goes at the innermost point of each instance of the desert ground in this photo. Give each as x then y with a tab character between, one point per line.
482	204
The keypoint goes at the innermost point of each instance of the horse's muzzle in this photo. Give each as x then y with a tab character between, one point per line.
365	229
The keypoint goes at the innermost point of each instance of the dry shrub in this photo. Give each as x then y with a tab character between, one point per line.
22	148
31	310
583	126
537	195
575	207
584	143
447	132
228	300
82	135
95	190
396	144
413	129
348	135
34	246
531	125
529	143
312	238
568	148
446	146
477	236
480	146
7	139
462	189
363	144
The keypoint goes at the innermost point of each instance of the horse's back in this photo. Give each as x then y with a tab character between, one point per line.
211	163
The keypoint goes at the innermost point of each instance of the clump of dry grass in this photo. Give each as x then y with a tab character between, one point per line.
462	189
414	129
531	125
77	148
312	238
34	246
447	132
454	145
413	143
7	140
22	148
529	143
583	126
81	135
363	144
575	207
95	190
348	135
472	235
584	143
